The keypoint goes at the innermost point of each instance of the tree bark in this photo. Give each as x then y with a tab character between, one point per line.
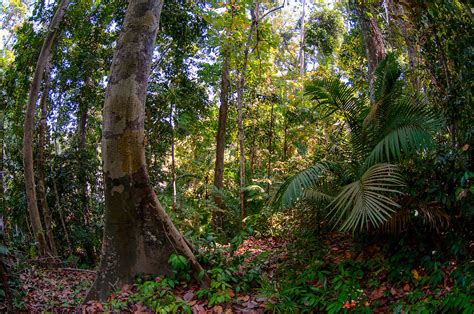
253	145
173	160
240	104
138	236
373	40
270	148
43	58
397	15
2	165
301	58
42	130
220	138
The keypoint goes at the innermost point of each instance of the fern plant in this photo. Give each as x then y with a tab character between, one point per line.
395	125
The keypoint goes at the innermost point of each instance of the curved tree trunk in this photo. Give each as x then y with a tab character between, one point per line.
220	138
45	52
139	236
42	130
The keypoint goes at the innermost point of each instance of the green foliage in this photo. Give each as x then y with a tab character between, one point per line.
158	295
391	126
324	32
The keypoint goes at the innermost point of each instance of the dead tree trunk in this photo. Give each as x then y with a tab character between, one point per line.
138	236
42	130
43	58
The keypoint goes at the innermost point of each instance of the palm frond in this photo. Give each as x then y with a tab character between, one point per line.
365	202
335	95
431	216
316	196
293	188
386	77
409	126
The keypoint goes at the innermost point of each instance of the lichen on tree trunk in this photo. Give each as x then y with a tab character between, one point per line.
138	237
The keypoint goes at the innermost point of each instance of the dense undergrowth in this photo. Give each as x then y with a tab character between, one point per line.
312	272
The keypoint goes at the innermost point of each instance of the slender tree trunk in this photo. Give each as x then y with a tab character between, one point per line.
240	104
270	148
253	147
82	155
373	40
138	236
42	130
2	166
28	129
61	216
220	138
173	161
301	58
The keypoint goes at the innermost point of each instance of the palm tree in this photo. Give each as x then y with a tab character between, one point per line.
395	125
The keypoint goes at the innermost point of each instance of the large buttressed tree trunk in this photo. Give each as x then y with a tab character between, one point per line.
28	130
138	237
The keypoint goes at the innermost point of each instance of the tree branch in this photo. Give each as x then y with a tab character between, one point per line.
271	11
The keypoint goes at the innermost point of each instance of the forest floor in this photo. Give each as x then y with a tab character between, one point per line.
63	289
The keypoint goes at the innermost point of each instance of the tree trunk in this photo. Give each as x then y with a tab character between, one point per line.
240	104
301	58
173	161
270	148
220	138
28	130
2	166
373	40
138	236
253	145
398	15
42	130
83	175
61	217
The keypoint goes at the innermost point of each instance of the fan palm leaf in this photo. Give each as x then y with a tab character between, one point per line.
365	201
